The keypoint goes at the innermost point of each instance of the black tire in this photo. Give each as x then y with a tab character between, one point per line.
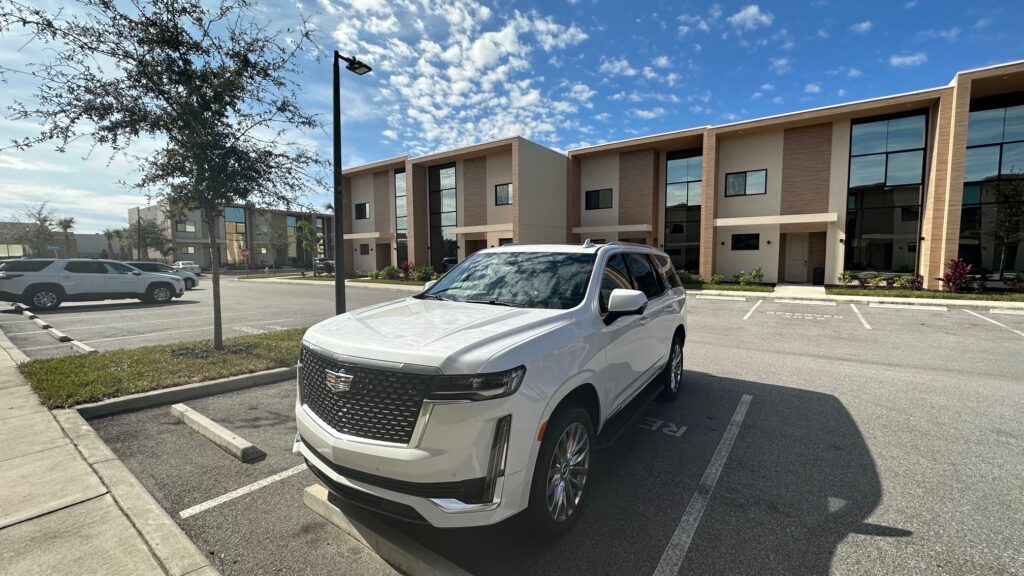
44	298
159	293
673	376
559	437
189	283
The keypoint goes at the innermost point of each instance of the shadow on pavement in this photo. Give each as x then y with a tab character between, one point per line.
798	480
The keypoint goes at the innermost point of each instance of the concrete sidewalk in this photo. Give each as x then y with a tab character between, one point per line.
818	293
58	513
348	283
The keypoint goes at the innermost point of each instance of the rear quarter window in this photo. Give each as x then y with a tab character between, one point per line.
24	265
668	270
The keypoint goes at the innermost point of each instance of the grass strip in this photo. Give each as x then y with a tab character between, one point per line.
886	293
733	287
72	380
389	281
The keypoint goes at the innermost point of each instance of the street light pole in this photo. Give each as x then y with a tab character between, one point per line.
138	228
359	68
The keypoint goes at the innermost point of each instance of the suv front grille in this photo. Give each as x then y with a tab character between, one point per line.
379	404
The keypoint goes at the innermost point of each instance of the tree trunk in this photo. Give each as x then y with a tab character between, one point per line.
211	227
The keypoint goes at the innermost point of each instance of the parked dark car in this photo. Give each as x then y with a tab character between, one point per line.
448	263
323	267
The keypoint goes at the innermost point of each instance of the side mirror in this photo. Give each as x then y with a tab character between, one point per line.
429	285
624	302
136	273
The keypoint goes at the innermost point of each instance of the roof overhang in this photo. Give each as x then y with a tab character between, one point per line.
507	227
778	220
618	228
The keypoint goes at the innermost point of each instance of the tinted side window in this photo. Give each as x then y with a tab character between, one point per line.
145	266
24	265
79	267
615	276
645	278
668	270
117	268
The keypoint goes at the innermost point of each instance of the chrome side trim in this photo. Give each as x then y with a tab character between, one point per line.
421	424
370	363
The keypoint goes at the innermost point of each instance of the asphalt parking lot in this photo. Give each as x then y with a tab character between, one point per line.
874	441
248	307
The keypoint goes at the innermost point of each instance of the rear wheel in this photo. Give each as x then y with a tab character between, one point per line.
673	375
189	283
159	294
559	488
45	298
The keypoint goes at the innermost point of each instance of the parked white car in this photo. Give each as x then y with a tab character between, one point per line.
190	279
188	266
482	396
43	283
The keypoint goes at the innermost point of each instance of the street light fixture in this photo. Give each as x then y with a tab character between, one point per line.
360	68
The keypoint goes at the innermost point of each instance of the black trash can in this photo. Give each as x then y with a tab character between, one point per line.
819	277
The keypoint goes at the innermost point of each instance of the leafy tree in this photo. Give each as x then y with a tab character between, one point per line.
307	236
66	224
152	237
109	235
1008	225
39	230
206	79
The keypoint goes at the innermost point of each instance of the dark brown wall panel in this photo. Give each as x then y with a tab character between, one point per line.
806	165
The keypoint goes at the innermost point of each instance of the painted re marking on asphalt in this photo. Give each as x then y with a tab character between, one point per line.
862	320
908	307
672	559
733	298
1002	311
994	322
240	492
752	309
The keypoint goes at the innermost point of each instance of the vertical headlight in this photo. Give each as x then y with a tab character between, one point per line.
477	386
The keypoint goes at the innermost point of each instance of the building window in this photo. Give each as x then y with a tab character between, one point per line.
263	249
293	241
364	249
401	219
746	241
883	206
363	211
443	214
188	249
682	208
992	215
234	233
749	183
599	199
185	226
503	195
504	241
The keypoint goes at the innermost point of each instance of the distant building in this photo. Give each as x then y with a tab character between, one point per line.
12	243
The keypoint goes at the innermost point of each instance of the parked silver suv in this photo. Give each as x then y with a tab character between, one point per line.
43	283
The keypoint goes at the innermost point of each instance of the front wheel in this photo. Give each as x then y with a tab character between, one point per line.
159	294
559	488
673	375
189	283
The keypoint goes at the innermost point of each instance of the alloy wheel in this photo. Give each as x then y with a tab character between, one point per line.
45	299
676	371
161	294
567	474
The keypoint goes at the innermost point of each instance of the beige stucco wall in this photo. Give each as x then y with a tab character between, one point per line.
743	152
361	190
597	172
729	262
838	178
499	171
541	194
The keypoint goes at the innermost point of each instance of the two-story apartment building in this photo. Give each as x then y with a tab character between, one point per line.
894	184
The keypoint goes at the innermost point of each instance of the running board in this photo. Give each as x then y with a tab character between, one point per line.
629	414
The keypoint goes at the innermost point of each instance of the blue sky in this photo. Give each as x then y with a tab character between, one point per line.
564	73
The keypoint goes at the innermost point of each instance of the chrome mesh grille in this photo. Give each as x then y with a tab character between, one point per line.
380	404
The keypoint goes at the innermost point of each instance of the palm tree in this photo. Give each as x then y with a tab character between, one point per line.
66	224
109	235
328	207
307	236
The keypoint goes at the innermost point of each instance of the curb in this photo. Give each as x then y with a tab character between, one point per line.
42	323
183	393
167	541
11	350
238	447
82	348
58	335
28	314
840	298
403	553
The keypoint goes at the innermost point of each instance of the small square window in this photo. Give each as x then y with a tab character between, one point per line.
263	249
363	211
746	241
749	183
503	195
364	249
599	199
185	226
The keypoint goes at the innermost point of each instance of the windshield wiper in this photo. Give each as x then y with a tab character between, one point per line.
496	303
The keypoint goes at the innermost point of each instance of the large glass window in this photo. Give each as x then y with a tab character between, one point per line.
682	209
598	199
234	233
401	218
502	194
992	215
883	209
750	183
443	215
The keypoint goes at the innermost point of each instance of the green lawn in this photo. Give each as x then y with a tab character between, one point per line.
736	287
73	380
292	276
419	283
881	292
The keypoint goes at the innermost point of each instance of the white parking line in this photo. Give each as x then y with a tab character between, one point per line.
161	320
240	492
908	307
672	559
734	298
994	322
1002	311
862	320
752	309
811	302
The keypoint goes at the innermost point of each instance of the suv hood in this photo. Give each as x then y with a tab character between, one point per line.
458	338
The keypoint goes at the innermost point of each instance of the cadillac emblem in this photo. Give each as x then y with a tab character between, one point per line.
338	381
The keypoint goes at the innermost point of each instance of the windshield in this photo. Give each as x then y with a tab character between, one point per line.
524	279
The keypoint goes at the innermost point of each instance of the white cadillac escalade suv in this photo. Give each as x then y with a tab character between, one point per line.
482	396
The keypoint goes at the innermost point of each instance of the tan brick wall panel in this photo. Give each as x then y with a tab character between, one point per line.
474	178
638	177
573	201
708	209
806	163
382	201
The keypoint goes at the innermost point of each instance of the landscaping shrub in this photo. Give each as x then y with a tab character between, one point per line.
915	283
891	281
716	278
1015	283
845	277
374	275
864	280
756	275
423	274
876	281
390	273
406	268
685	277
957	275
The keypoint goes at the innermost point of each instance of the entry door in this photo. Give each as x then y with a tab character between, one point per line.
796	257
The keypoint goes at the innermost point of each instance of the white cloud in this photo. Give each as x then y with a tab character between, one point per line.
616	67
385	25
703	23
552	35
648	114
777	100
949	35
662	62
821	33
756	95
853	73
812	88
910	4
750	18
581	93
602	117
767	87
780	65
649	73
862	27
907	60
21	164
390	134
982	23
841	92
